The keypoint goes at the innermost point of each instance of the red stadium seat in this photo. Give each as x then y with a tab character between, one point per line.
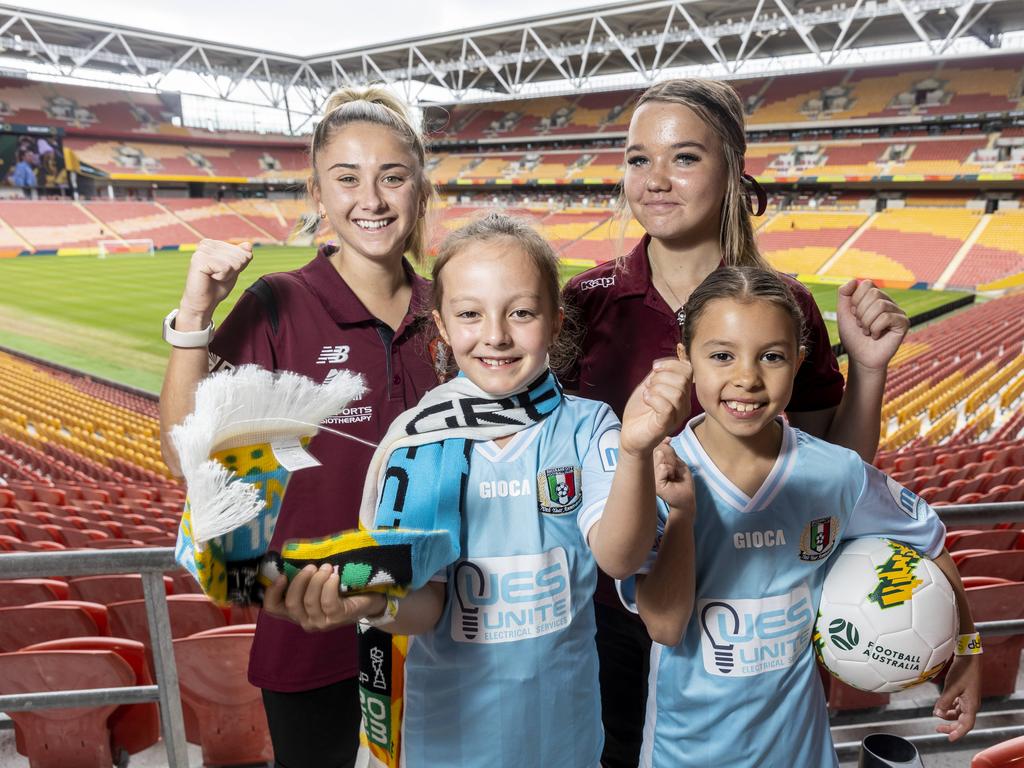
230	629
27	591
960	555
111	589
953	536
60	738
22	625
6	497
1007	565
983	581
188	613
1001	659
1009	754
133	727
212	672
998	540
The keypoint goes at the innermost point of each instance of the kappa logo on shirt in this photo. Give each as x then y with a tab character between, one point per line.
333	355
597	282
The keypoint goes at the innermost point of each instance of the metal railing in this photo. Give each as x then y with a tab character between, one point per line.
151	563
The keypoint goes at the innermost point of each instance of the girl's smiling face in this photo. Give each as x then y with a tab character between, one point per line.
745	355
496	315
369	185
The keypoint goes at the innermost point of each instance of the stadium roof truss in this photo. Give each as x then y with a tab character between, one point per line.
636	40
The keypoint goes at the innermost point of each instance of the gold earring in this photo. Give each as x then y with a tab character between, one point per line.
323	214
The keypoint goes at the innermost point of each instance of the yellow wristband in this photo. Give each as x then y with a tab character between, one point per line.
968	645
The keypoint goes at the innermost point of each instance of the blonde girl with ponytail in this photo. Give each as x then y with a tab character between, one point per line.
686	185
357	305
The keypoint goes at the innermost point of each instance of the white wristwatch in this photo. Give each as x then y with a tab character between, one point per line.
186	339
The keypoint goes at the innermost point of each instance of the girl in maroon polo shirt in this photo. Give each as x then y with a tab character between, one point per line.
685	184
356	306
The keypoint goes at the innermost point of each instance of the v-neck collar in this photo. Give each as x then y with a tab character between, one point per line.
725	488
512	450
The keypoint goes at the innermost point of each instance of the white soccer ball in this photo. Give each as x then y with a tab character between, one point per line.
887	619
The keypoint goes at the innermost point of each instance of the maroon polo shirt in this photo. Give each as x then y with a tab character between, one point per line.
627	326
317	327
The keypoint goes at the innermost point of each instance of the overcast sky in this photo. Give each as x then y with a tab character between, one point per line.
303	28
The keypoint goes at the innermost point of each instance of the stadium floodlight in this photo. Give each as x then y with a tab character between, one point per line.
138	247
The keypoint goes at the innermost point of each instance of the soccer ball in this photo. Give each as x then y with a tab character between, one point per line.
887	619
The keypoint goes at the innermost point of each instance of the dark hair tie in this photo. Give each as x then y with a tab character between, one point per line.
752	186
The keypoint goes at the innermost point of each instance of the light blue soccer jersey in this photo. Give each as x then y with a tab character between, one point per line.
508	678
742	689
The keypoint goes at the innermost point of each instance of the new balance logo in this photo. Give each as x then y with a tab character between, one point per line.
333	355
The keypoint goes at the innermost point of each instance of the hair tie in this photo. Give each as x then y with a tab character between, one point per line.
752	185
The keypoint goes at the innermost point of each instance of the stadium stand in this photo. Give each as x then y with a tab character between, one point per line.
217	221
801	243
997	253
48	225
133	220
907	246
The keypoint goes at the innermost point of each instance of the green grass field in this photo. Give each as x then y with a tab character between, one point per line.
103	316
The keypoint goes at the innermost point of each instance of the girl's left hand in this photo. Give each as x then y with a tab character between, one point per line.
871	325
658	407
312	601
960	697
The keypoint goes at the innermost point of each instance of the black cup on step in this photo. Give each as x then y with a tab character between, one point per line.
886	750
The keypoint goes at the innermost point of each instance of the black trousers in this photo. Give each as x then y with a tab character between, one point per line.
624	651
317	728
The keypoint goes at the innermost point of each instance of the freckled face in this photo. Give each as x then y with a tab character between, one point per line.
675	178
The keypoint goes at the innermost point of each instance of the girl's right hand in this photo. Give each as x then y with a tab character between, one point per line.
313	601
659	406
212	274
673	482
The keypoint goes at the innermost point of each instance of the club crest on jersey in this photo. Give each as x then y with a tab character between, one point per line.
559	491
818	538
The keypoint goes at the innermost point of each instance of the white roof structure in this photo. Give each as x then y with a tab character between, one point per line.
632	43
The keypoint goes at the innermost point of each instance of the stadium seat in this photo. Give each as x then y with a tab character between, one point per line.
22	625
27	591
960	555
212	672
1007	565
62	738
1008	754
133	727
983	581
111	589
188	613
997	540
1001	659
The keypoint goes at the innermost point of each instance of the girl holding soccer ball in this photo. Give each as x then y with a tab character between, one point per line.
757	508
685	184
356	306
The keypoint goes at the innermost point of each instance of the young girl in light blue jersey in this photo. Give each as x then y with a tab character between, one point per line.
501	667
756	510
